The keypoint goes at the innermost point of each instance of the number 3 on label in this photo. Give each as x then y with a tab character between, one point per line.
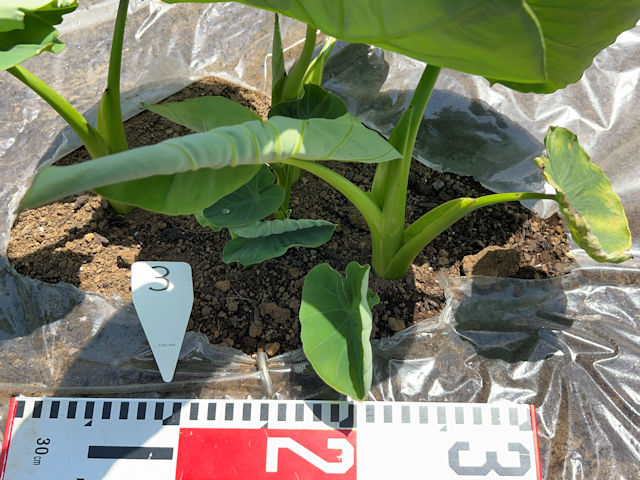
162	277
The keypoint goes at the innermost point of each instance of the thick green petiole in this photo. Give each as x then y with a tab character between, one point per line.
89	136
391	178
110	123
362	200
419	234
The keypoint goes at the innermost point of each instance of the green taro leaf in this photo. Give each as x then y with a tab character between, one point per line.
27	28
252	202
574	32
495	38
125	176
531	45
261	241
315	102
179	193
336	321
591	208
204	113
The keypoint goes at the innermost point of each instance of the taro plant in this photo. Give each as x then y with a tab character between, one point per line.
27	28
296	94
529	46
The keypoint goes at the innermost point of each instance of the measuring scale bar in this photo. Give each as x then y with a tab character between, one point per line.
122	439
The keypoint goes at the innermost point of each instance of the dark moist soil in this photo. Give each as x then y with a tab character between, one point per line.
80	240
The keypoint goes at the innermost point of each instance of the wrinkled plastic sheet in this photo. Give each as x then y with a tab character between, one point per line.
569	345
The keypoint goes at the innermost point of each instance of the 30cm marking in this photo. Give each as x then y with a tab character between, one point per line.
41	450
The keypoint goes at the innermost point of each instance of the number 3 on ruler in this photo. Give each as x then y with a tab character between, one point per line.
162	277
491	461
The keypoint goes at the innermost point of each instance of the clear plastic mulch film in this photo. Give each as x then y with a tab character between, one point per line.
568	345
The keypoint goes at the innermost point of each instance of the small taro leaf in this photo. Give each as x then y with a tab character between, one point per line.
204	113
591	208
316	102
27	28
335	320
252	202
261	241
250	144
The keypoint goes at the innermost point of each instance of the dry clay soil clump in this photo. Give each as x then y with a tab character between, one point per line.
80	240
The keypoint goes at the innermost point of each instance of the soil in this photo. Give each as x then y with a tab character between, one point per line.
80	240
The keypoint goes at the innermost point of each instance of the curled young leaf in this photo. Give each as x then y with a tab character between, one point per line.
315	71
260	241
336	322
27	28
591	208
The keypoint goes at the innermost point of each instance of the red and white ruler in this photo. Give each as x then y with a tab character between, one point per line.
124	439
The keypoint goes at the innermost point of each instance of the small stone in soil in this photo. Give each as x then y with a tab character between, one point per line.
255	329
272	348
279	314
396	324
492	261
223	285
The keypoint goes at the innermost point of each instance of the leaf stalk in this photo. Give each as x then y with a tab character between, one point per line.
89	136
424	230
390	182
110	122
363	201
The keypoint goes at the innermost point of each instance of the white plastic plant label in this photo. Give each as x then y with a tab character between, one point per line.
162	293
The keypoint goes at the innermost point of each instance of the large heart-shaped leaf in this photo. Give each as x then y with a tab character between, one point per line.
27	28
252	143
204	113
336	321
315	102
252	202
261	241
497	38
588	203
537	45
